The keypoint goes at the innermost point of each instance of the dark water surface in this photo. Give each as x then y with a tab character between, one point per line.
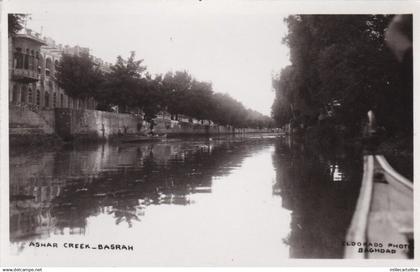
218	201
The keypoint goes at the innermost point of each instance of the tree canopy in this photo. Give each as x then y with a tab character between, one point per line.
130	87
124	84
15	22
340	68
79	76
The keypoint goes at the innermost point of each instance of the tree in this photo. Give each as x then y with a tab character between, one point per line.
340	66
228	111
176	86
130	87
286	102
79	76
124	87
199	100
15	22
153	98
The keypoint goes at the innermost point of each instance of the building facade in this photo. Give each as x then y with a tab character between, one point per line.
32	66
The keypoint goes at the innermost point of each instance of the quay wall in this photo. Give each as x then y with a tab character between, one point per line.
23	121
81	125
92	124
31	126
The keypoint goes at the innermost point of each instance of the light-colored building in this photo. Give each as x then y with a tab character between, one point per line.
32	67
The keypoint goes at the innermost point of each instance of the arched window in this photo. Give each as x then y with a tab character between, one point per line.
47	99
54	100
30	96
38	97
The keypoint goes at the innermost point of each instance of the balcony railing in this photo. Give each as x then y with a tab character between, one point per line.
25	75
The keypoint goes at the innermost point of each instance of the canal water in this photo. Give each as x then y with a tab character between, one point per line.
223	201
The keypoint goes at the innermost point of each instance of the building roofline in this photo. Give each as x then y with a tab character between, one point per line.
30	37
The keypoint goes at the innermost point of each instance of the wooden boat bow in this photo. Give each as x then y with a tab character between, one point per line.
382	224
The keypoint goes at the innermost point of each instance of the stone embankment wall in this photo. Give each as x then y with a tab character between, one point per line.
91	124
29	125
26	124
23	121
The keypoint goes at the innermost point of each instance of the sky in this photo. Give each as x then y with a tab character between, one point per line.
238	50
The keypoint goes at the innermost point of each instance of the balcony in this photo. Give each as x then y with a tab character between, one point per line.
25	75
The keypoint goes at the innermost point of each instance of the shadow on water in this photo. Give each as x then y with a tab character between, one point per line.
320	185
56	190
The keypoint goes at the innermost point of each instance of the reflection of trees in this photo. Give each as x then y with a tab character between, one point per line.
123	180
129	190
321	206
125	210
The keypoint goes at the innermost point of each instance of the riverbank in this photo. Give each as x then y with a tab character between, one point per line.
28	126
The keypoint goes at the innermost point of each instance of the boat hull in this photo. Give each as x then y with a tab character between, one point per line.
382	224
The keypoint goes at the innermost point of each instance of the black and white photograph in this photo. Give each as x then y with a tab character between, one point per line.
199	133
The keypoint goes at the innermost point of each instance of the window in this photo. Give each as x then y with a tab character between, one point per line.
23	95
48	66
30	98
47	100
62	100
18	61
40	63
32	60
14	94
26	59
38	97
54	100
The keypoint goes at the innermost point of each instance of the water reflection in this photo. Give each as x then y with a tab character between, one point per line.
75	192
72	184
320	188
224	201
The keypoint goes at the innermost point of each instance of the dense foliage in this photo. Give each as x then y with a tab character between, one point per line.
341	68
79	75
15	22
128	87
